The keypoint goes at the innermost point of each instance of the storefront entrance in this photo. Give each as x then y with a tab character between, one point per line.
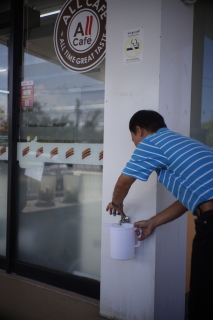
54	228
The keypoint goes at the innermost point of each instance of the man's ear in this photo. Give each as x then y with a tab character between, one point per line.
139	131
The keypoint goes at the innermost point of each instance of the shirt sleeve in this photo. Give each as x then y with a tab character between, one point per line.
145	159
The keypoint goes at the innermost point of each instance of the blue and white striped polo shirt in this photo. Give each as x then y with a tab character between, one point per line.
183	165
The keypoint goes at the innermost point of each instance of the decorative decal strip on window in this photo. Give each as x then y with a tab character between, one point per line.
3	150
76	153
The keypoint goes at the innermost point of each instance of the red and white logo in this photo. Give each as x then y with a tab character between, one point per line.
83	31
80	34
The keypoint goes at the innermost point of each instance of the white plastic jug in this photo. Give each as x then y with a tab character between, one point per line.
122	241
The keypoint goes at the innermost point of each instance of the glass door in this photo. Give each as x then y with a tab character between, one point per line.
60	156
201	122
202	74
4	94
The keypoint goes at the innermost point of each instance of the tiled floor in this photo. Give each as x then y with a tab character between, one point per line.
23	299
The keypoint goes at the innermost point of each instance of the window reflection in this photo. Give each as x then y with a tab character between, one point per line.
4	90
207	91
202	74
63	110
68	106
59	220
3	206
4	40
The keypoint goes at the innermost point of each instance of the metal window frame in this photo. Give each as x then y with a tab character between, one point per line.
15	62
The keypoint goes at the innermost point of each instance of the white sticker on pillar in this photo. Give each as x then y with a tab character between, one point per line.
133	46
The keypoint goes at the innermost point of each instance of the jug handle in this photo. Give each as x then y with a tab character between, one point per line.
138	243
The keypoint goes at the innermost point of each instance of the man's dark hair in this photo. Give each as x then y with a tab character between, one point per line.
147	119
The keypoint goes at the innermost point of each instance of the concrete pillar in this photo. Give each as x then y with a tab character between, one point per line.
152	285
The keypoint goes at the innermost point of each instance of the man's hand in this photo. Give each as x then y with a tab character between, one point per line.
113	209
147	228
171	213
120	191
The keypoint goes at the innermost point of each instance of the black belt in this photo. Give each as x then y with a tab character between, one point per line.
203	207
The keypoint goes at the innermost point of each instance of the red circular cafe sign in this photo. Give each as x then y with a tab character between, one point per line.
80	34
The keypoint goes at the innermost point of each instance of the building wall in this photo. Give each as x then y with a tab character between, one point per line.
127	287
141	288
174	105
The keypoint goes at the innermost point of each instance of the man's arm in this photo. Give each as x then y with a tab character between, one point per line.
171	213
120	192
122	188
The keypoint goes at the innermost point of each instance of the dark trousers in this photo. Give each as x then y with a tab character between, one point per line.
200	305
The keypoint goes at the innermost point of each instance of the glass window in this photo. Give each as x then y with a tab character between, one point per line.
207	91
201	121
60	153
3	206
4	93
202	74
